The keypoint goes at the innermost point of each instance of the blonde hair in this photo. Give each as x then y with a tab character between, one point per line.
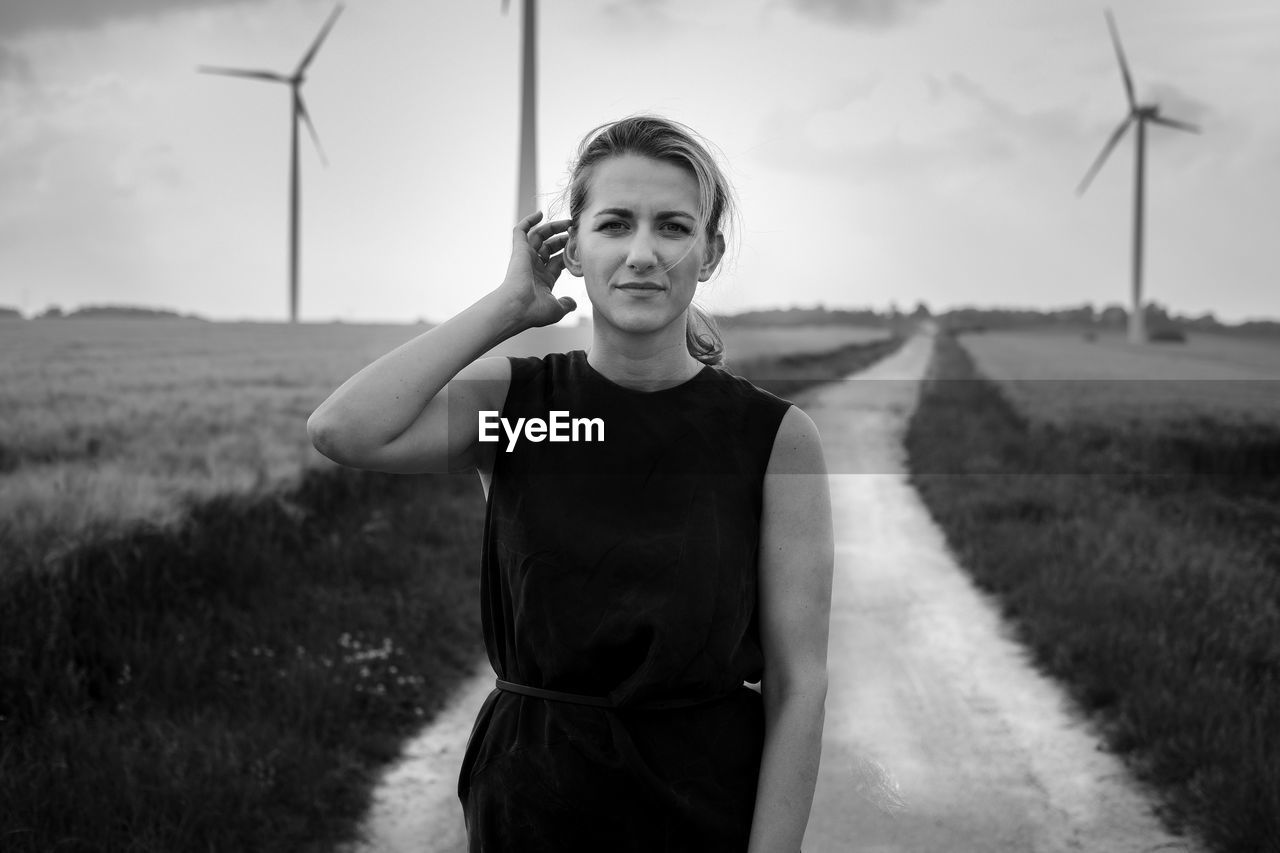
672	142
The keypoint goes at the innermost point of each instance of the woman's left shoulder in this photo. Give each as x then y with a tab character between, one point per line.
797	446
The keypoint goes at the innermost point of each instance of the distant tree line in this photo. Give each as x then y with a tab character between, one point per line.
135	312
1159	320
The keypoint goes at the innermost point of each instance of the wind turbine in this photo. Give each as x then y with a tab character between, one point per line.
527	180
299	115
1139	114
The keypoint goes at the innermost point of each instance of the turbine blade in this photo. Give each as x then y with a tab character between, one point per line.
1106	152
1174	123
306	119
240	72
1124	66
315	45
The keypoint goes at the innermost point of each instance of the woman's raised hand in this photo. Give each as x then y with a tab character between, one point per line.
536	263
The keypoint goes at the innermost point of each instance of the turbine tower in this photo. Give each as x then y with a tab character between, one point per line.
299	115
527	180
1139	114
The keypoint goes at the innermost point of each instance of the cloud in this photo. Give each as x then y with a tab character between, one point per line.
652	16
146	168
923	126
1036	126
14	66
18	17
870	13
60	143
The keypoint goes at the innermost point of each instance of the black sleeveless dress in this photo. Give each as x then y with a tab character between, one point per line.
622	569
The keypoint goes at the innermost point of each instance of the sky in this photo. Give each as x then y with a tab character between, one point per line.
884	151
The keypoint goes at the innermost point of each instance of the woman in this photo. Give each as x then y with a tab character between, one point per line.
634	578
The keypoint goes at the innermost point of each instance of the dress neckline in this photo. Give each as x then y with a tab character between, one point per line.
581	355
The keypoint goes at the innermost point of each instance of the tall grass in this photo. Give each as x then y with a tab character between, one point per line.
1141	564
235	681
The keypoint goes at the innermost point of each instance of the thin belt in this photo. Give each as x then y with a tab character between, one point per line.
604	701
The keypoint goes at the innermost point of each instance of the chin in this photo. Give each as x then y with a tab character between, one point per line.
636	319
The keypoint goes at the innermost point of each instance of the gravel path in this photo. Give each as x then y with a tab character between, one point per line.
939	735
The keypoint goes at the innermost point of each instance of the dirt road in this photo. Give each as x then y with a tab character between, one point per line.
939	735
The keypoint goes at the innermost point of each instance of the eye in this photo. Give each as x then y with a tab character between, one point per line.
677	228
611	225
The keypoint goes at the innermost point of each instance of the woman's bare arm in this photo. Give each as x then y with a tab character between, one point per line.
796	560
415	408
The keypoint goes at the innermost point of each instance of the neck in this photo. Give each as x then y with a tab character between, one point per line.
645	363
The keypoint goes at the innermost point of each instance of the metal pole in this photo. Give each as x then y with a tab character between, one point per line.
527	180
293	217
1137	317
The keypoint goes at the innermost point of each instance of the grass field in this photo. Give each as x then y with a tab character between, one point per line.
1133	540
1065	378
107	422
235	678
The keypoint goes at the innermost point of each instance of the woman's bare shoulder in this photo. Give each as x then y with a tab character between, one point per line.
797	447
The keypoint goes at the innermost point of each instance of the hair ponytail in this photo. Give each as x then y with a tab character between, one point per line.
702	336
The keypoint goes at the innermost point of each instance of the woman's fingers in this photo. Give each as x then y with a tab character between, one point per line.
552	245
525	224
555	266
540	234
555	226
522	233
547	241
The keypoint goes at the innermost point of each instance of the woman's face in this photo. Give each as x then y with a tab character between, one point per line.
638	243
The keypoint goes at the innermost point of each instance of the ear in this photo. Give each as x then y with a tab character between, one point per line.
711	256
571	260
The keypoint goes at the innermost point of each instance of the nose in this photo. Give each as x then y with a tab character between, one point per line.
641	254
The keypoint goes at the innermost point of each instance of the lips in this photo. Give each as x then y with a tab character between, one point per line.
640	286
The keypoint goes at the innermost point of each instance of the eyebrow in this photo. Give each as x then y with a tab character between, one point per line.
661	214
